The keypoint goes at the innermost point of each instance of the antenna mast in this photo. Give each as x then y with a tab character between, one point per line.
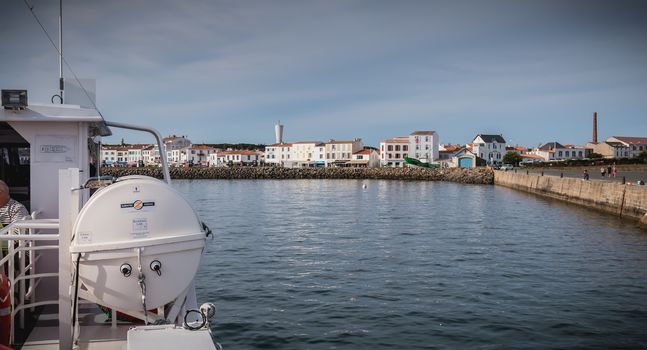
61	84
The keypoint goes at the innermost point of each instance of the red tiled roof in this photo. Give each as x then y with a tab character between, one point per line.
400	139
364	151
241	152
529	155
338	142
423	132
301	142
632	140
113	148
201	147
516	148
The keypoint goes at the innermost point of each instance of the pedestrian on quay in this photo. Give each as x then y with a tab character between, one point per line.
586	174
602	171
609	171
614	171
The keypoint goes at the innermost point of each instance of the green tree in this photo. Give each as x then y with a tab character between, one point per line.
595	155
643	156
512	158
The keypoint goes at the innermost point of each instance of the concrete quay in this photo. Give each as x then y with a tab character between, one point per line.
468	176
624	200
626	172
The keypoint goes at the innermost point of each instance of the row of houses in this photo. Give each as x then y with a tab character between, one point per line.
337	153
179	152
490	149
621	147
422	145
485	149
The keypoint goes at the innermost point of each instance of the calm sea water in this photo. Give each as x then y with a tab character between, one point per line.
316	264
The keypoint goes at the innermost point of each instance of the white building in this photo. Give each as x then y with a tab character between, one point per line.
556	151
151	155
423	145
238	157
339	153
178	156
278	153
393	151
611	149
135	156
112	155
634	145
176	149
308	153
108	155
176	142
489	147
198	155
366	158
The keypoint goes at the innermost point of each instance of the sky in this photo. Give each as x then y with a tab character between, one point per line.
227	71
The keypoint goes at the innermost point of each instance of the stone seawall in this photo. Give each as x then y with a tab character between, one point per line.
627	201
469	176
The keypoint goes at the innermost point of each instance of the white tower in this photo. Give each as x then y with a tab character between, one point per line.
278	132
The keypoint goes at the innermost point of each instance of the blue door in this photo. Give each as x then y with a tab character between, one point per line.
465	162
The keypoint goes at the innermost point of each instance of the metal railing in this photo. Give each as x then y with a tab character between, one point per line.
21	261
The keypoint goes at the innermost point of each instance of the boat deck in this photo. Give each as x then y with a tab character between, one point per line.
96	333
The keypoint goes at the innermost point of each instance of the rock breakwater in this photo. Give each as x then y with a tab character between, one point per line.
468	176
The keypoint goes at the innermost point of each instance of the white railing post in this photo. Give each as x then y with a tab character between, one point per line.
68	209
22	273
32	258
12	287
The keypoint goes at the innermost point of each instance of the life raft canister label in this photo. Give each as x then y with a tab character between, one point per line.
140	228
138	205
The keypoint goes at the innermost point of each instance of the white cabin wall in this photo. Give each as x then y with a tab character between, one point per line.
43	174
44	184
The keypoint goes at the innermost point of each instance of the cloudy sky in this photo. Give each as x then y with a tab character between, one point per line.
226	71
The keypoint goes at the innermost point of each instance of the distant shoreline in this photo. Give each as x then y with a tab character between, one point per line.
469	176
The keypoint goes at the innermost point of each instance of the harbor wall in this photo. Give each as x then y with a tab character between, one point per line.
623	200
468	176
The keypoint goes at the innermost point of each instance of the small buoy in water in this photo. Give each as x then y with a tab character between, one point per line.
364	186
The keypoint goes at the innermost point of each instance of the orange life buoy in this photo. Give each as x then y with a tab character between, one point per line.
5	310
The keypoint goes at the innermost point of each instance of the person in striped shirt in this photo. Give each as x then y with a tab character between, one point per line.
10	209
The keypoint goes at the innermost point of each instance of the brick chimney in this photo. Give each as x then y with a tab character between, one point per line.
595	128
